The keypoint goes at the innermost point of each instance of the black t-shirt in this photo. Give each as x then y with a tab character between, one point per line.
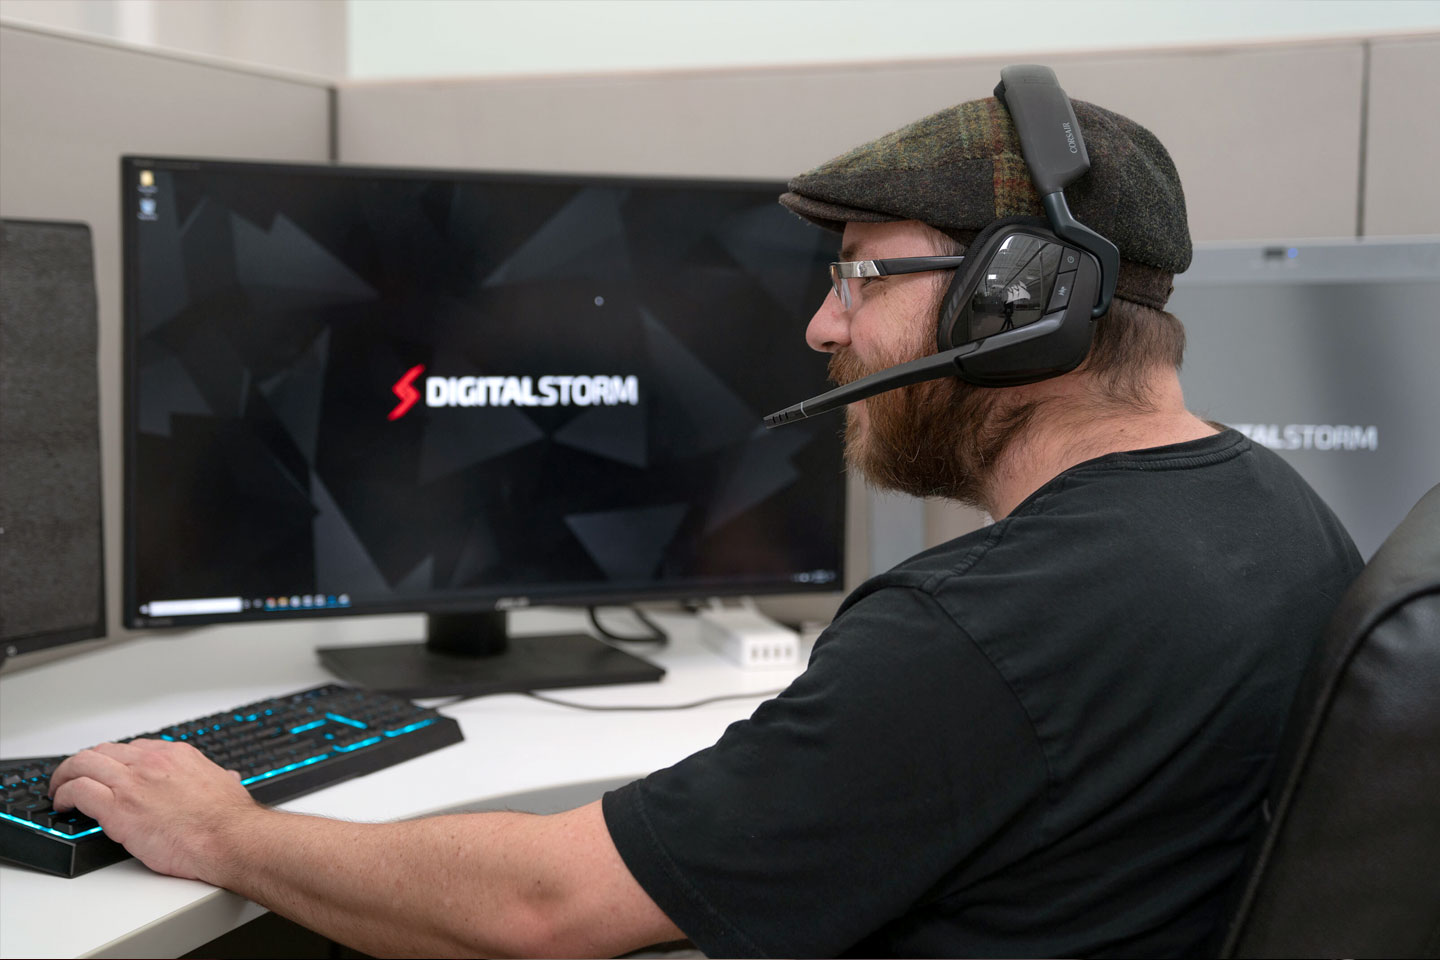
1049	737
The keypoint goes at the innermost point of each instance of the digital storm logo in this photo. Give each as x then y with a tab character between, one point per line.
546	391
405	389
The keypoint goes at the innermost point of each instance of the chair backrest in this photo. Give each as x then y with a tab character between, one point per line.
1349	864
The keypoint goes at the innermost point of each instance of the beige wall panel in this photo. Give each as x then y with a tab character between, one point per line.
1402	190
1241	123
70	108
1243	126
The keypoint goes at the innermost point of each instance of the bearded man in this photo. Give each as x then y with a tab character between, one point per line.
1048	737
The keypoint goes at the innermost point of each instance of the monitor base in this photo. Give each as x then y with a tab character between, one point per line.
547	662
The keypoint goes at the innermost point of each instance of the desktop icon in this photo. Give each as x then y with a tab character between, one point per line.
147	208
147	178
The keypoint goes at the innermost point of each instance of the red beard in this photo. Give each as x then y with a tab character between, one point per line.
940	438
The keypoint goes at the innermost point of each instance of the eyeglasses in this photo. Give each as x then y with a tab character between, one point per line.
841	273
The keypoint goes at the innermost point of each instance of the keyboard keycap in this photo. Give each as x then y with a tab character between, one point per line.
33	810
72	823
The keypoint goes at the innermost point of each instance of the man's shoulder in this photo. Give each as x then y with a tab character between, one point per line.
953	557
1095	497
1105	522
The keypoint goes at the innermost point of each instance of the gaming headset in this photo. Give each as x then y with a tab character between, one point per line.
1022	304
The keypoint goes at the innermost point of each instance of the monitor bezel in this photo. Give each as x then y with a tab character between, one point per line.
498	600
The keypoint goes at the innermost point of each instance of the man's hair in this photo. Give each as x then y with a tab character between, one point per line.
1130	339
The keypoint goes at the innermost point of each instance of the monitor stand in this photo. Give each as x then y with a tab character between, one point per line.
472	654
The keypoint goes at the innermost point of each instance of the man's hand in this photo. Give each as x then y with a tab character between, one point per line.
165	802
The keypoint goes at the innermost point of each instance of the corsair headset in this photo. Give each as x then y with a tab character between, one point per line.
1021	306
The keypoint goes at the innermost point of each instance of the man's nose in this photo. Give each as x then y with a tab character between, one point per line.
829	329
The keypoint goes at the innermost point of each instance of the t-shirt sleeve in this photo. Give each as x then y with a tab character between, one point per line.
845	801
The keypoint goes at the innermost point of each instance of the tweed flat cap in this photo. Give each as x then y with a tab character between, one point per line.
960	169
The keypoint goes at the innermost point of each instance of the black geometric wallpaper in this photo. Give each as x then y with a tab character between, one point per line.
429	392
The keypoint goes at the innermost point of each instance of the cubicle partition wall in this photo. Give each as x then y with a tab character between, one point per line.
1273	141
69	107
1399	195
1244	124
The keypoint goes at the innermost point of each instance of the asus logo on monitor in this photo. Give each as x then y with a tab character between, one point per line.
547	391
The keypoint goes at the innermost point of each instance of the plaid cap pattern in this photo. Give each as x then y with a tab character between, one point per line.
961	168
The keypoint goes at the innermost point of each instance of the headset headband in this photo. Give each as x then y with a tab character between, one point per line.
1054	151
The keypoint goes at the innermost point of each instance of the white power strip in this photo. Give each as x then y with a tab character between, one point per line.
748	637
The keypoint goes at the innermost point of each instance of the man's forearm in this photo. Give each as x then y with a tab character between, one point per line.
442	886
492	884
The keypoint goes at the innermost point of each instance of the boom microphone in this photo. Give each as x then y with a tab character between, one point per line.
947	363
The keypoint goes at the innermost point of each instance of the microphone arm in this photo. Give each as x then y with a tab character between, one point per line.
932	367
947	363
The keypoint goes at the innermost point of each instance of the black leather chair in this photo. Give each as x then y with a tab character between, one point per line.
1349	864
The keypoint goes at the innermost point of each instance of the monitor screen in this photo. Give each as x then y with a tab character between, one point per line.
1325	352
375	390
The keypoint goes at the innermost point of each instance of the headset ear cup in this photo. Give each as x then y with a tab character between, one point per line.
945	319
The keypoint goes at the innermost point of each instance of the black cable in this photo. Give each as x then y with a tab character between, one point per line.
656	636
643	707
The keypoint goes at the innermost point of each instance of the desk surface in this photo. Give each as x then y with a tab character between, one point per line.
513	745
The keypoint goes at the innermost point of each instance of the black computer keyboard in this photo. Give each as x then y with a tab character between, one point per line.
282	748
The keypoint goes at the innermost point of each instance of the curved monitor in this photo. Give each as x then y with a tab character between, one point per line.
377	390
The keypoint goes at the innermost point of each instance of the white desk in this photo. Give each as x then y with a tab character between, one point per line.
513	744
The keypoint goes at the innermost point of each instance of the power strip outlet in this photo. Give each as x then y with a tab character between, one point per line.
749	638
